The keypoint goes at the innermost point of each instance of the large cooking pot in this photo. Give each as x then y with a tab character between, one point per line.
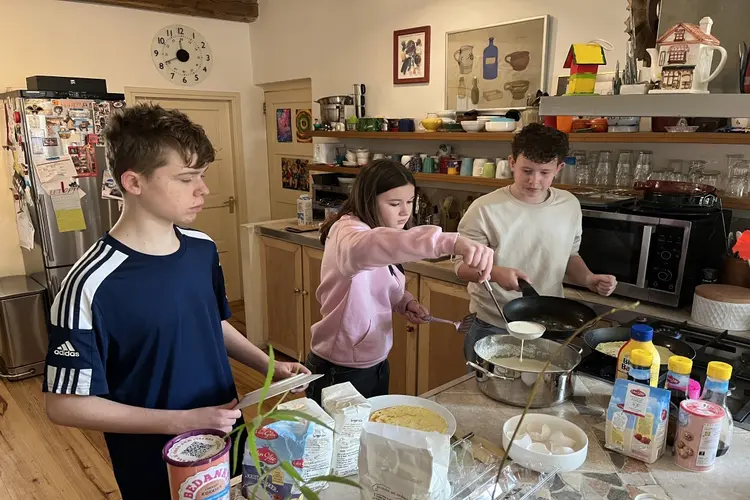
509	384
332	108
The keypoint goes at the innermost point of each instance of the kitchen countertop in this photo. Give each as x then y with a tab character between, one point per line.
604	474
443	270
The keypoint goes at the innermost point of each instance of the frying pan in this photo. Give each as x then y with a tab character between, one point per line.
560	316
595	337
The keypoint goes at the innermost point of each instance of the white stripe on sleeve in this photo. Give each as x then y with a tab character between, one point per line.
71	377
84	382
51	374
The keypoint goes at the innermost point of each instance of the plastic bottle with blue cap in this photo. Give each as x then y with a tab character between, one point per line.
641	337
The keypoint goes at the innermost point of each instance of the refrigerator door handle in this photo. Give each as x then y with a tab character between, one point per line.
45	230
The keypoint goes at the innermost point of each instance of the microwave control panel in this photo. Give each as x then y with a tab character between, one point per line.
664	258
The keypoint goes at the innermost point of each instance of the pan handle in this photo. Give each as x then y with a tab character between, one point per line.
486	372
526	289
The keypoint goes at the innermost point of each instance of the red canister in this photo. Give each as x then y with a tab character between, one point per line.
698	433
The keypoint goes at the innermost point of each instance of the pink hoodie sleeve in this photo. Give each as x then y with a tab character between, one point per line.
360	248
400	307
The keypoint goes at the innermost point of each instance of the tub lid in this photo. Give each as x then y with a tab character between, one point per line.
702	408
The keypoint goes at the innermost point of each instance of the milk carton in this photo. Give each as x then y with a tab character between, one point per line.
350	410
637	420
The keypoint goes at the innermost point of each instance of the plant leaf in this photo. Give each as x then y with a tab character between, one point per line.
294	415
309	494
292	471
253	449
335	479
269	379
236	443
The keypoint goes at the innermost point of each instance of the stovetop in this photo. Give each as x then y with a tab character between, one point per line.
730	349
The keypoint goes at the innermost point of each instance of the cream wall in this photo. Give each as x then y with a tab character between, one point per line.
50	37
341	42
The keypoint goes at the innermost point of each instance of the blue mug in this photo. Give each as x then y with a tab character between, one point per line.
467	165
406	125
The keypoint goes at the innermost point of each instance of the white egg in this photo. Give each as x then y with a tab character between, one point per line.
557	438
561	450
538	448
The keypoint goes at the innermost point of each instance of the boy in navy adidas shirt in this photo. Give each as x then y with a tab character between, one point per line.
139	338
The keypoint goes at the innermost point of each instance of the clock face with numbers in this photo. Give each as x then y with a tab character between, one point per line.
181	55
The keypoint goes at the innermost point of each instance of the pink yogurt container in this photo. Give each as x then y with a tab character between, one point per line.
698	433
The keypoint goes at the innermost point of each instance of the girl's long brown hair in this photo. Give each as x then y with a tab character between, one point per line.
376	178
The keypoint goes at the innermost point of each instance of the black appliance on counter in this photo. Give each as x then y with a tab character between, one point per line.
731	349
329	191
657	253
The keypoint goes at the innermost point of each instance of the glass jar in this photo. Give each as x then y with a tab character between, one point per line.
695	170
738	187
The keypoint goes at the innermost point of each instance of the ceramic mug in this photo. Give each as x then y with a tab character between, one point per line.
405	159
406	125
415	164
478	166
453	167
351	156
396	157
428	165
378	156
466	166
488	170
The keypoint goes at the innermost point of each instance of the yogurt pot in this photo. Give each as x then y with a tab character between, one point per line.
198	465
698	433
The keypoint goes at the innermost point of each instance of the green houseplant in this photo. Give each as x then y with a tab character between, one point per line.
277	414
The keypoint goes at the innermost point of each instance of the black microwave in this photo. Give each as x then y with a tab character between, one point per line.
656	259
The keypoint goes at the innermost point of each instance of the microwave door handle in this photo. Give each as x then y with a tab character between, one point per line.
648	231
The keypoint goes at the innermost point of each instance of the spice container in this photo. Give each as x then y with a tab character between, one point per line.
697	439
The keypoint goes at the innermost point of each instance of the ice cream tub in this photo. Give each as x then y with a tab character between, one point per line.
698	433
198	465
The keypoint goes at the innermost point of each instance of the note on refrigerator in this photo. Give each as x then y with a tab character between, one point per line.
25	229
68	212
56	170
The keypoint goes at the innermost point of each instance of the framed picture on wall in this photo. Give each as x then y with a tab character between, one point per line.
496	67
411	55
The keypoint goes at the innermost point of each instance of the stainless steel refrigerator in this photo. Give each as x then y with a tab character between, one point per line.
41	126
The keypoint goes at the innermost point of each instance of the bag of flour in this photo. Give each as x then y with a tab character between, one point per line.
397	463
308	447
350	410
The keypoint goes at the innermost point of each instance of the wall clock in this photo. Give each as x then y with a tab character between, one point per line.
181	55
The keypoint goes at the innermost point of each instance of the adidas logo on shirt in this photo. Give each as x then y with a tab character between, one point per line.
66	349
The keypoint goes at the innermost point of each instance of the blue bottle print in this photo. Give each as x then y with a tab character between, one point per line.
489	61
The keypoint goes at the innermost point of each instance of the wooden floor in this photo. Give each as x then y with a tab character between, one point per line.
39	460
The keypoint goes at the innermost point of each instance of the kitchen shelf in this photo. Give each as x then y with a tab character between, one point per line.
733	203
582	137
687	105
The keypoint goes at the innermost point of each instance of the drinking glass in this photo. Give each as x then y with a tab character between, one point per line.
710	177
622	174
738	182
602	172
731	161
643	167
695	171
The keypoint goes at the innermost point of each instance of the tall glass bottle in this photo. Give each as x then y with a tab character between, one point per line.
489	61
715	390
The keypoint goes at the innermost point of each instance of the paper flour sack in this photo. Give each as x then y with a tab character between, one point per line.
349	410
397	463
308	447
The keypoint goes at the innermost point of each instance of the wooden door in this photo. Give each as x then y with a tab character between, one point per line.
288	151
403	356
218	219
311	261
281	270
440	346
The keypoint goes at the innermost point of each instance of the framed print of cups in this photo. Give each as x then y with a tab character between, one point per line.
506	61
411	55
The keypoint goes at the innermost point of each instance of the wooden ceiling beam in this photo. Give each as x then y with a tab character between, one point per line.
229	10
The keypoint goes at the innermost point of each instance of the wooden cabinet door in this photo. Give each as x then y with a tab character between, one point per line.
283	301
311	262
440	346
403	356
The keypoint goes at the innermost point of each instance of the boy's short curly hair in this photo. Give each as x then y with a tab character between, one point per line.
139	137
540	144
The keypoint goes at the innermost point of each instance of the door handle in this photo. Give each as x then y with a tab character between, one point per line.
230	203
640	280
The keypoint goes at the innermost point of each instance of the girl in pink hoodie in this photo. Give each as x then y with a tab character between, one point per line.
362	280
